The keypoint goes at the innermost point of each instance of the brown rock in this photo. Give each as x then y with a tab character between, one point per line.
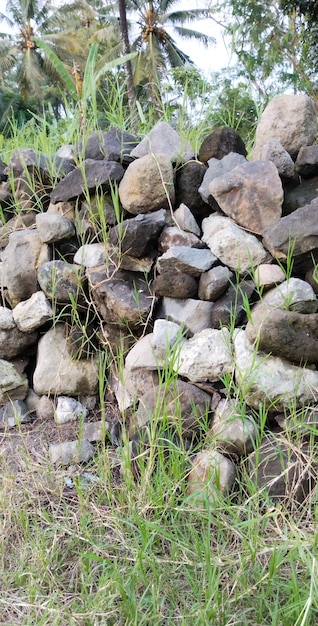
221	142
147	184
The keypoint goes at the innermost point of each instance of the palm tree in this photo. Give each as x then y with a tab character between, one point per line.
157	49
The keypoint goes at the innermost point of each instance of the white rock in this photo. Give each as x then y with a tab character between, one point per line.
90	255
207	356
71	452
33	312
68	410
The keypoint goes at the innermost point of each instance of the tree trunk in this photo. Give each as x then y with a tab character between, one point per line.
126	50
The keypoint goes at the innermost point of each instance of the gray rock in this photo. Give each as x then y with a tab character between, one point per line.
273	151
174	236
214	283
12	340
192	261
53	228
212	474
61	281
231	244
292	119
297	232
90	255
195	315
218	168
232	430
271	381
93	174
136	235
68	452
113	145
207	356
13	386
132	385
166	338
251	194
307	162
68	410
57	373
300	195
32	313
147	184
23	255
165	140
13	414
174	284
267	275
186	220
230	308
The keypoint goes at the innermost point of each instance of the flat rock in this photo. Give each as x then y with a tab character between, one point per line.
251	194
69	452
192	261
91	175
174	236
214	283
137	235
147	184
165	140
172	283
207	356
218	168
57	372
195	315
271	381
186	220
297	231
231	244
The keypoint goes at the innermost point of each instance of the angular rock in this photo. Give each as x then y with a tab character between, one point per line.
297	232
273	151
251	194
173	236
180	404
214	283
13	414
195	315
188	180
190	261
307	162
95	174
267	275
271	381
298	196
207	356
231	244
13	386
113	145
147	184
135	236
70	452
57	373
121	297
186	220
68	410
218	168
12	341
212	474
221	142
32	313
165	140
293	294
175	284
166	338
53	228
133	384
23	255
229	309
90	255
60	281
292	119
232	429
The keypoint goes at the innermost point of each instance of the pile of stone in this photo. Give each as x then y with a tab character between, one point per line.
201	269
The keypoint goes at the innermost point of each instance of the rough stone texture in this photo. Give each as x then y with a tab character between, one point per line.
232	430
267	275
218	168
280	471
300	195
221	142
69	452
113	145
174	236
231	244
175	284
180	404
13	386
96	174
14	342
32	313
271	381
273	151
195	315
57	373
90	255
307	161
292	119
121	297
190	261
188	180
186	221
52	228
133	385
68	410
229	309
298	231
165	140
60	281
13	414
166	337
206	356
147	184
214	283
251	194
212	474
137	235
23	255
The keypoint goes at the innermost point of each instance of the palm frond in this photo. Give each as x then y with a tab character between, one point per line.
188	33
58	66
189	15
